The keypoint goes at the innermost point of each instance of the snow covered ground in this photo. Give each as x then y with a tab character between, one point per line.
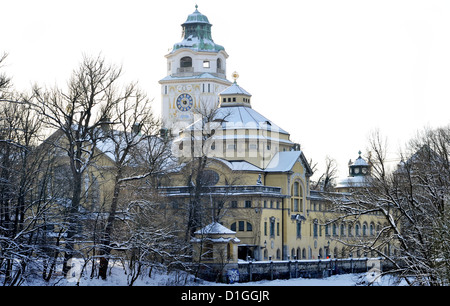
119	278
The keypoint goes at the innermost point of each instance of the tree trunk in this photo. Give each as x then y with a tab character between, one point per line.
105	249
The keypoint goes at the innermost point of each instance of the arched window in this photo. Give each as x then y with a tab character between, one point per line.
315	226
342	229
249	227
357	226
186	62
350	230
297	197
241	226
364	228
219	63
372	229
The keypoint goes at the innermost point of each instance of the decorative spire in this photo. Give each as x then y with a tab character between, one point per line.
235	76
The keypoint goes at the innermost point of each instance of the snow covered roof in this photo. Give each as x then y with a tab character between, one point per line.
197	34
198	44
283	161
235	89
353	181
246	117
240	165
199	76
360	162
215	228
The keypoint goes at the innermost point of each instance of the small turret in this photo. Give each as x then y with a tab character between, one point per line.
359	167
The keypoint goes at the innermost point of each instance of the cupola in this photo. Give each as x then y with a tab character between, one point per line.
359	167
197	34
235	95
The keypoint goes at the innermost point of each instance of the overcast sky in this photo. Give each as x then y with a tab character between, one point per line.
329	72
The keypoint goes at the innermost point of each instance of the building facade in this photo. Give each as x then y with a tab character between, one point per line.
257	178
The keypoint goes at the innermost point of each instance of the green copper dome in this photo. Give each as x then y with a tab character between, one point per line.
197	34
196	17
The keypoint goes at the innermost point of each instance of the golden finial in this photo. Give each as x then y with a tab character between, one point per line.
235	76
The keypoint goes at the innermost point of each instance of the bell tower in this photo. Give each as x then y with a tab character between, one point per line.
196	74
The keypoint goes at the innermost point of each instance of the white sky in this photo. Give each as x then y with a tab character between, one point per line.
329	71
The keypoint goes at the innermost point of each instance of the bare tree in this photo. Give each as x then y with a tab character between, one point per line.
135	126
412	201
77	114
325	180
19	169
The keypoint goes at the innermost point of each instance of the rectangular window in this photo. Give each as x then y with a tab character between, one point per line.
206	64
299	230
241	226
265	228
272	229
296	189
234	204
278	228
248	204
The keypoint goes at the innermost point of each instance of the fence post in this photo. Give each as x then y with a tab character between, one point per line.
271	270
289	269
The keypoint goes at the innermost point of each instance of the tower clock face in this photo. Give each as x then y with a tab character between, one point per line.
184	102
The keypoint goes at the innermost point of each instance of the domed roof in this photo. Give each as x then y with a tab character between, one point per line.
196	17
359	161
197	34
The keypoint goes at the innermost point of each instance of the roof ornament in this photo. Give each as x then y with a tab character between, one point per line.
235	76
